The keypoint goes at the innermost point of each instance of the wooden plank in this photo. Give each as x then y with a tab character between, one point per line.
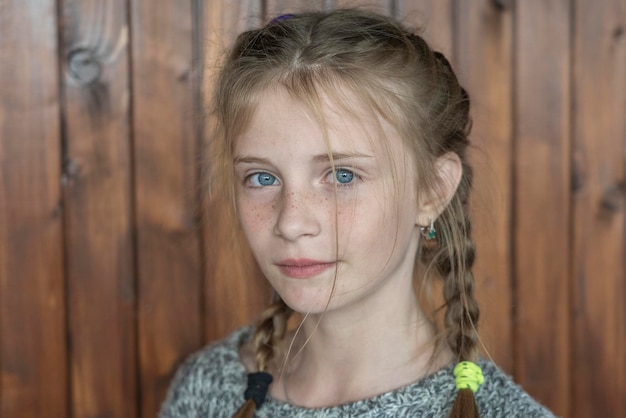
484	57
33	376
273	8
542	200
432	19
599	286
235	290
385	7
98	208
219	25
166	189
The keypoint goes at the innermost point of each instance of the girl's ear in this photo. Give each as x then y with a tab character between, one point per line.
448	172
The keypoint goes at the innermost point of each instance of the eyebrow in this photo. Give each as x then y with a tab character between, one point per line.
336	156
250	160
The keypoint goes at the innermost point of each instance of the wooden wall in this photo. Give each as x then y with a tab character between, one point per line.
114	265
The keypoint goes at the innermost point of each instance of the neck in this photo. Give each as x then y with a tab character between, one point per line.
355	353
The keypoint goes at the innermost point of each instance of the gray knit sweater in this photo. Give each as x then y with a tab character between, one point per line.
211	383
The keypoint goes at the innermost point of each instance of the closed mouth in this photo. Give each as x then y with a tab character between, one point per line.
303	268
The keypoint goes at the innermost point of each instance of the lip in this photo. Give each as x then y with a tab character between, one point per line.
303	268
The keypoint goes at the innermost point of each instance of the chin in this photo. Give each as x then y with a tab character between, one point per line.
305	302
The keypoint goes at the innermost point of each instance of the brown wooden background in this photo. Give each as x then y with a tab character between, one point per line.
110	274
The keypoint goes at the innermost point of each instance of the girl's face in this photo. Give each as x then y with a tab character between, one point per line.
300	232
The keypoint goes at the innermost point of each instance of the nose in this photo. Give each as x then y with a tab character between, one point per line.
299	216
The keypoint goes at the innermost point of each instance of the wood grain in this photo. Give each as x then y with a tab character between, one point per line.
377	6
273	8
542	200
98	199
169	265
432	19
33	366
235	290
484	57
599	317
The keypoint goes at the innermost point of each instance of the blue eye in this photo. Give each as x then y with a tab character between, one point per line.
344	176
262	179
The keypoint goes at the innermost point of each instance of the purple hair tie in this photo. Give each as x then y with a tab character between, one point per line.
280	18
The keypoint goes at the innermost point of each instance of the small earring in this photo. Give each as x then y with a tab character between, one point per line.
429	232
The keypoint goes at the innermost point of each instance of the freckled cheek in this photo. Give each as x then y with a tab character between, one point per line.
345	218
365	219
347	222
255	216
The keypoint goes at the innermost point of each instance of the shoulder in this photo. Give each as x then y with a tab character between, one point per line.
210	380
500	396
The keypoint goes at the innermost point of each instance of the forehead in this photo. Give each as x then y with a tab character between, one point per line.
337	123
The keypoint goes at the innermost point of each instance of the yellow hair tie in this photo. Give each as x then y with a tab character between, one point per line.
468	376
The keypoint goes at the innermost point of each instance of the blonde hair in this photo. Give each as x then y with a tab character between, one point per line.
395	73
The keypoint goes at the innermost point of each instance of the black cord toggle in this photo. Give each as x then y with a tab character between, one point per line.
258	384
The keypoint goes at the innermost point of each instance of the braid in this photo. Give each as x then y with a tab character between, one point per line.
453	257
462	309
270	331
462	315
453	253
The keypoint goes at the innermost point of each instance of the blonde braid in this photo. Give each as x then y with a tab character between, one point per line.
462	316
462	309
270	331
453	256
453	253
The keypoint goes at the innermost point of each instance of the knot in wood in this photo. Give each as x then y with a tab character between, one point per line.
612	199
502	5
84	67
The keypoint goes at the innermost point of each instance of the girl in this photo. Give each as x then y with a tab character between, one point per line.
344	136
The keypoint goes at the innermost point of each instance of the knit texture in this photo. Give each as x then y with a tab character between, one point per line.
211	384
